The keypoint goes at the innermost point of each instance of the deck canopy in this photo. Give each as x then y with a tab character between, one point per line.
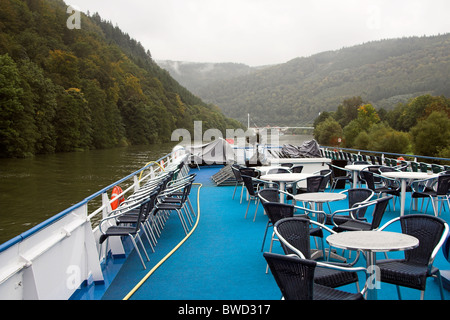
218	151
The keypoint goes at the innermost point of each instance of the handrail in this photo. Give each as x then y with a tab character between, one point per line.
8	244
387	153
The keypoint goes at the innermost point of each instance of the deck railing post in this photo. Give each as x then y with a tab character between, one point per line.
136	183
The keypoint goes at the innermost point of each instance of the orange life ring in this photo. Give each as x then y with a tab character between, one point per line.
115	192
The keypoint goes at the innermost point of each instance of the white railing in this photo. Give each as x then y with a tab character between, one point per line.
52	260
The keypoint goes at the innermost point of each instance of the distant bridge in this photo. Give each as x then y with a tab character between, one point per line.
268	127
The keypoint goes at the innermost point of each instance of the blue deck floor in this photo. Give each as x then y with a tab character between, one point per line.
222	260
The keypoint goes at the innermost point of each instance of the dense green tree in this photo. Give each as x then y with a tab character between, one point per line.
431	136
40	98
73	121
406	115
381	137
348	110
428	137
366	118
322	117
328	132
13	114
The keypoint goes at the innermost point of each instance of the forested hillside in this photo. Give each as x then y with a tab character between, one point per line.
65	89
294	93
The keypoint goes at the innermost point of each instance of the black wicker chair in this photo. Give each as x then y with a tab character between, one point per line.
294	236
388	186
355	198
339	174
297	169
295	278
278	170
313	184
132	217
268	195
417	266
379	209
174	199
131	231
237	175
254	186
252	192
440	193
278	211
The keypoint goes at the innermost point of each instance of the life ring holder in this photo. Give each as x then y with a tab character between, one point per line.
115	196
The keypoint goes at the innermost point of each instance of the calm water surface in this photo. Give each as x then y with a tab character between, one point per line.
33	190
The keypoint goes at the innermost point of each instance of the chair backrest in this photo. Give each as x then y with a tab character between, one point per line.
186	191
294	276
379	210
269	195
297	169
236	172
167	179
443	184
428	229
326	178
295	232
314	183
358	195
250	172
276	211
248	183
144	209
287	165
367	176
151	204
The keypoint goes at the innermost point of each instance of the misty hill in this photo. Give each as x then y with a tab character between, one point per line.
195	75
382	72
64	89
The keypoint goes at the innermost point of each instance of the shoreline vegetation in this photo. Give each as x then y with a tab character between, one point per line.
68	89
421	126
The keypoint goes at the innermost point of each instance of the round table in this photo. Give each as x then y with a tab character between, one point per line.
283	178
404	176
372	242
320	197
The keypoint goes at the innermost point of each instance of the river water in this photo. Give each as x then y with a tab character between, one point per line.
33	190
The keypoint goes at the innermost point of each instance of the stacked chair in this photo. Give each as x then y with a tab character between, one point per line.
146	211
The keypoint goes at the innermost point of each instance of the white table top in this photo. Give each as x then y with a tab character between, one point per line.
409	175
357	167
320	197
285	177
265	169
374	241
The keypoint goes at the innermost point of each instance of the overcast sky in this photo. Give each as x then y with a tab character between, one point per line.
260	32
